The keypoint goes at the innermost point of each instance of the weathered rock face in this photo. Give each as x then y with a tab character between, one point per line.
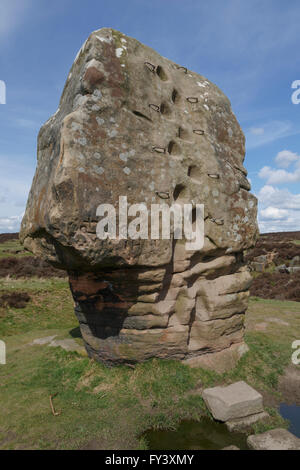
132	123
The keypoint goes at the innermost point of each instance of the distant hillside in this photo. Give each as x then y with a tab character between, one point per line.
275	262
18	263
5	237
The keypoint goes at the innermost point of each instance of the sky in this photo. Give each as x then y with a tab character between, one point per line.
249	48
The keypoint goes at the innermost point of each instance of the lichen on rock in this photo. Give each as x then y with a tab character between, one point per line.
132	123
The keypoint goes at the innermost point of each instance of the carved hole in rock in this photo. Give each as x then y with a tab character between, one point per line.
183	133
194	173
165	109
84	90
161	73
175	96
137	113
173	148
179	192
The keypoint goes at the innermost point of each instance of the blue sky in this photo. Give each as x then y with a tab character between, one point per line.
249	48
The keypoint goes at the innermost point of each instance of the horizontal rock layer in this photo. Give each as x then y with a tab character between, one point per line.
132	123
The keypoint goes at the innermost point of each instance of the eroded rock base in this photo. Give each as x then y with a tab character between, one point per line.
180	311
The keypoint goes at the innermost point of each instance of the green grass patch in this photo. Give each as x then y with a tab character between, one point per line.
274	421
50	307
12	248
262	366
112	407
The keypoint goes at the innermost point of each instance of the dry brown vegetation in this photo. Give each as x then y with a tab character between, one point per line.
14	299
279	286
281	244
28	266
16	262
282	247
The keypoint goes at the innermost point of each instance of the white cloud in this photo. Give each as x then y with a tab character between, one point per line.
282	198
273	213
15	182
10	224
285	158
274	176
257	130
269	132
279	210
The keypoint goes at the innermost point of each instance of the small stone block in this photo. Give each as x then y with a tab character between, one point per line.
233	401
276	439
241	424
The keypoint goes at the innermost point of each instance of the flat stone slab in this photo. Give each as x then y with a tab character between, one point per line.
233	401
276	439
67	344
241	424
45	340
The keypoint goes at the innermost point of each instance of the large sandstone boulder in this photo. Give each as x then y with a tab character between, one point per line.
132	123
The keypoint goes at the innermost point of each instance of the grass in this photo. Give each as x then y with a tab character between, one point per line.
12	248
296	242
280	320
275	421
51	306
113	407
